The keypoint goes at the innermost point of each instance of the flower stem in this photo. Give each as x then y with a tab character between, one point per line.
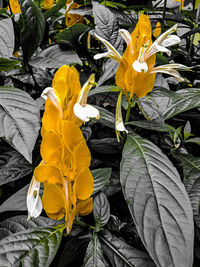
128	111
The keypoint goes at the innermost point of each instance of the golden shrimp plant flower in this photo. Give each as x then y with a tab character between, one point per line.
136	72
64	170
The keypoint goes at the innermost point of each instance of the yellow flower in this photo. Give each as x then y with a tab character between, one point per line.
157	31
136	72
68	182
48	4
15	7
181	3
60	100
71	19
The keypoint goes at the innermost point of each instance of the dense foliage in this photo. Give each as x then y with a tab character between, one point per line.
104	168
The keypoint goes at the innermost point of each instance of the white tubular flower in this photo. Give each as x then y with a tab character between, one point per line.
125	35
140	65
50	93
119	124
111	53
33	200
81	109
165	40
171	70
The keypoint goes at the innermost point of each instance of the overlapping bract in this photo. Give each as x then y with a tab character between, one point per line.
64	170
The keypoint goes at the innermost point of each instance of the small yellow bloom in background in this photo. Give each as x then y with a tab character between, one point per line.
181	3
71	19
157	30
15	7
48	4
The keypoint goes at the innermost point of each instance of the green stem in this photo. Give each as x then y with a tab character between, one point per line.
128	111
163	18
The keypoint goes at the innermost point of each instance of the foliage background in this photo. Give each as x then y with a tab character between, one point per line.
32	46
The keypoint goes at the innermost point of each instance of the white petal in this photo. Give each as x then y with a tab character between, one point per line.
83	95
112	52
169	71
171	40
119	124
51	94
33	200
120	127
125	35
140	67
86	112
101	55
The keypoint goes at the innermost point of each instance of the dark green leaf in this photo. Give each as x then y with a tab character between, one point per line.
20	223
54	9
113	185
105	146
19	120
94	254
153	125
109	69
32	32
104	89
101	209
7	38
195	140
101	177
191	171
121	254
106	118
72	34
8	64
33	247
158	202
54	57
14	167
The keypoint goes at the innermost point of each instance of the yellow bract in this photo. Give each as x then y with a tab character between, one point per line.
48	4
64	170
15	7
71	19
138	83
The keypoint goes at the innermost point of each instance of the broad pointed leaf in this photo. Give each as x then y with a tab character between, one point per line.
101	209
33	247
54	9
7	38
101	177
54	57
94	254
191	171
158	203
19	120
104	89
33	28
121	254
8	64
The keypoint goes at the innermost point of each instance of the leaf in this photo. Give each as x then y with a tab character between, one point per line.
105	146
54	57
113	185
54	9
107	27
191	171
106	117
8	64
19	120
104	89
20	223
101	209
158	203
7	38
94	254
33	247
101	177
195	140
72	34
121	254
73	249
165	104
32	32
152	125
14	167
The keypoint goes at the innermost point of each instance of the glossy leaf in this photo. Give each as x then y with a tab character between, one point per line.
54	9
101	177
191	171
13	166
104	89
94	254
33	247
20	223
19	120
158	203
54	57
7	38
101	209
32	32
152	125
121	254
106	118
72	34
8	64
